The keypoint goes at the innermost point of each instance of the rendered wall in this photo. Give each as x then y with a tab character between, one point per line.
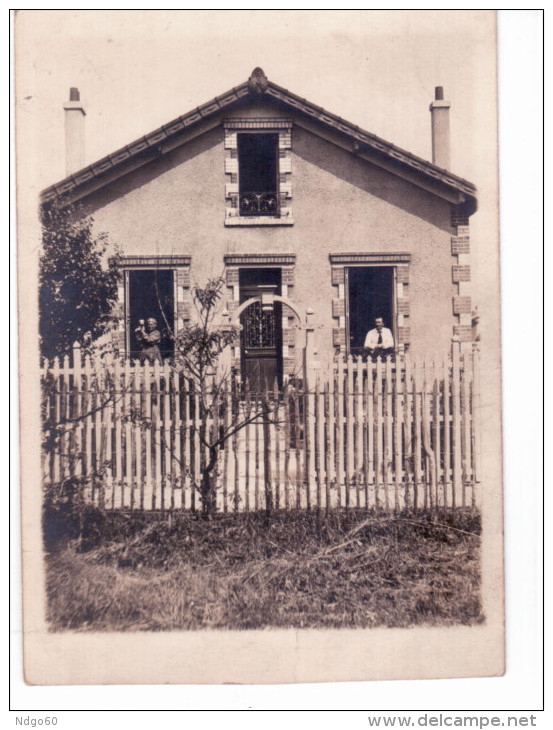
341	204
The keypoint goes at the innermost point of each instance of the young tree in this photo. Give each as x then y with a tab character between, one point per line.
77	288
199	355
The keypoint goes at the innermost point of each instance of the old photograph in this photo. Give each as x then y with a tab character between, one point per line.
259	260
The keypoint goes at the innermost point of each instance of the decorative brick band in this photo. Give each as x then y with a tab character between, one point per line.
253	259
352	259
154	262
238	124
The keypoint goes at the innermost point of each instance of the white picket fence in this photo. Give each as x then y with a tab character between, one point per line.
385	435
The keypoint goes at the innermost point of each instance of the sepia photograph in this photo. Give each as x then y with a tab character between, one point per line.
260	357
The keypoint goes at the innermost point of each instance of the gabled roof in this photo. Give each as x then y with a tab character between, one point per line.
258	86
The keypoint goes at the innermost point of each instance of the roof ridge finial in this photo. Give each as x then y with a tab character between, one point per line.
258	83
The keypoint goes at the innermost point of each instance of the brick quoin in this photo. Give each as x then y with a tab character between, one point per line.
233	277
338	336
462	305
337	276
288	276
463	332
460	245
183	278
338	307
460	273
403	274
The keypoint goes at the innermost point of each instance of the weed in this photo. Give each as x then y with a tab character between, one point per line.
300	570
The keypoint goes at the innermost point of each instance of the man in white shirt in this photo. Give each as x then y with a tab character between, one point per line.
380	340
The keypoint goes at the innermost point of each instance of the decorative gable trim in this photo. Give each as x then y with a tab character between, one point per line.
175	133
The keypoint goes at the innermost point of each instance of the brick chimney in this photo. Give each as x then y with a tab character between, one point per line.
439	109
74	132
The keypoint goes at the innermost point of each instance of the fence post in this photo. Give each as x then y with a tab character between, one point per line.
267	453
475	419
408	458
128	493
339	412
309	353
118	445
77	408
455	393
359	425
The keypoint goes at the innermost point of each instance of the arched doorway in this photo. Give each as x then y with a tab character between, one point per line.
259	317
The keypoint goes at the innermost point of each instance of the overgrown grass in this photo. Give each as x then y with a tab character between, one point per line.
237	572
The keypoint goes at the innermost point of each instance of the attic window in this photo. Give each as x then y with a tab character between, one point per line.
258	174
258	170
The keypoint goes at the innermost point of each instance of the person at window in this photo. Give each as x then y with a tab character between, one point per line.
148	338
379	341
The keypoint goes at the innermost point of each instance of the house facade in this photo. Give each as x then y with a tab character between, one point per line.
302	213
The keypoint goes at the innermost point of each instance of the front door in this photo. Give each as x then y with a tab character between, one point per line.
261	337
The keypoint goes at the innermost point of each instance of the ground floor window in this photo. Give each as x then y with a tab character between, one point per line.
150	294
369	295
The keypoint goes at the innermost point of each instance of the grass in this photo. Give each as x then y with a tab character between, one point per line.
237	572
